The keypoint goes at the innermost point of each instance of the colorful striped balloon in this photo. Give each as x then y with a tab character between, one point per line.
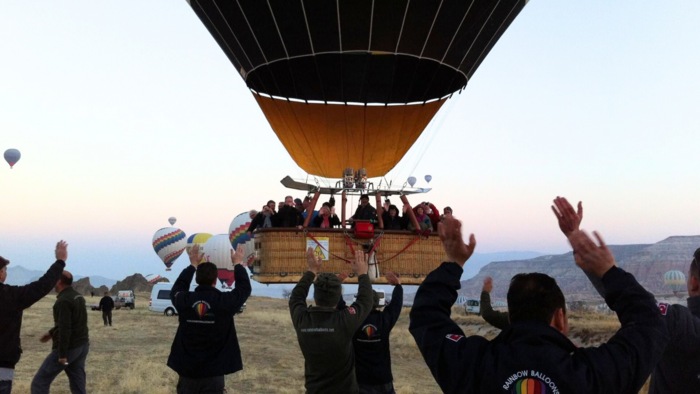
675	280
169	243
238	235
198	239
529	386
217	250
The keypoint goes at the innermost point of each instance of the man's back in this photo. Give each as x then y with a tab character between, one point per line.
206	344
70	317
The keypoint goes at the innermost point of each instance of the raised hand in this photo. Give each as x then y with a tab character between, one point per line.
392	278
237	256
569	220
488	285
314	262
195	256
450	232
591	258
62	250
359	266
343	275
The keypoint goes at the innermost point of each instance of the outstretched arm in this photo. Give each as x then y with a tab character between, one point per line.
494	318
28	295
297	301
181	287
393	310
235	299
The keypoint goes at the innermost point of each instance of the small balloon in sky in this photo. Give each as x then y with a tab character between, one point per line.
12	156
411	180
428	178
172	220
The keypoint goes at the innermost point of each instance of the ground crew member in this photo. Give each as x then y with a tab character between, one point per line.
324	332
13	301
494	318
206	347
106	306
371	343
70	340
534	351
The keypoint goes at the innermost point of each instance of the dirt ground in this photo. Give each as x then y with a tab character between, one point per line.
130	357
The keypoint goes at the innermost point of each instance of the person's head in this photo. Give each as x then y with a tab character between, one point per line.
694	275
64	282
420	211
281	205
271	205
298	204
253	213
364	200
325	211
3	269
387	204
307	202
206	274
537	297
327	205
327	290
427	209
447	211
289	201
106	293
393	211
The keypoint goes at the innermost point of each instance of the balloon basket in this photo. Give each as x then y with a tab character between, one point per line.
280	254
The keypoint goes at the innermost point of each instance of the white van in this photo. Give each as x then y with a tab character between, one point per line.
472	306
160	298
382	300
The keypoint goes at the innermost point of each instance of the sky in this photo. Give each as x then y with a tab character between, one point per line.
128	115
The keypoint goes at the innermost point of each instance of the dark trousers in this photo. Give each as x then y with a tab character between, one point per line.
51	368
212	385
5	386
107	317
382	389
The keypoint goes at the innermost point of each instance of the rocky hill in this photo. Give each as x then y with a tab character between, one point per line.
562	267
650	264
137	283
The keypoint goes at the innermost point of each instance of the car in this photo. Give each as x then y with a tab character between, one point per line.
472	306
160	299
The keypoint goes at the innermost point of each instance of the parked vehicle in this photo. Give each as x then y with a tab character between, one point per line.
125	299
472	306
160	299
382	300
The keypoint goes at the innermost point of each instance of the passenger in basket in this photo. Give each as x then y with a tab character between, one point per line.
423	220
326	219
364	211
393	220
289	216
264	219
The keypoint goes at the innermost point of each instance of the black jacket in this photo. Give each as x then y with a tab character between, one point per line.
206	344
535	353
365	213
395	223
325	337
13	301
333	221
371	343
259	221
288	217
106	304
70	329
494	318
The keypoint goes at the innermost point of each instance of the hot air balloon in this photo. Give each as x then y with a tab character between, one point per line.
412	180
152	278
675	280
12	156
461	300
169	243
237	233
198	239
217	250
172	220
428	178
353	83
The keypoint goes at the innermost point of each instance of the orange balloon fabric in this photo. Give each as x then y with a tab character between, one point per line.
325	139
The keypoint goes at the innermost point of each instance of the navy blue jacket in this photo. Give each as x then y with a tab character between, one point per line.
206	344
533	353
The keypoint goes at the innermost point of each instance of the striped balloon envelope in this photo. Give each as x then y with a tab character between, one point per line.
198	239
152	278
217	250
169	243
238	235
461	300
675	280
529	386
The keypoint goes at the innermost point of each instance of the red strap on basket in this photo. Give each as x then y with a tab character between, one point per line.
414	240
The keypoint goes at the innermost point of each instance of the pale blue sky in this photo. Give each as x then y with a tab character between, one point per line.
127	113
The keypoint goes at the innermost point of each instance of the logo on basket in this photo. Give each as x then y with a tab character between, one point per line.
369	330
201	308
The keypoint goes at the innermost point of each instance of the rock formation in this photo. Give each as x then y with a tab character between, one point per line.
135	282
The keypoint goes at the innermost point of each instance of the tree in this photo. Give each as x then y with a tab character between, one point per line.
286	294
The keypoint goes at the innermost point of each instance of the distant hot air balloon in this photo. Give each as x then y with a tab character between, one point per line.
461	300
153	278
198	239
237	234
12	156
412	180
169	243
217	250
428	178
172	220
325	57
675	280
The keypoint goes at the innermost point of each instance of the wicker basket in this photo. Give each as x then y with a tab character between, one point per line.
280	254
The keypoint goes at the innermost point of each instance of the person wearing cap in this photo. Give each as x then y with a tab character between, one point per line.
288	216
324	332
364	211
13	301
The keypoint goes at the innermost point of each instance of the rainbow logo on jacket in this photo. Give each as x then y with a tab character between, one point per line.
201	308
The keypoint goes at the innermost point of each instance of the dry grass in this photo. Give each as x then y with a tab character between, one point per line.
130	357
